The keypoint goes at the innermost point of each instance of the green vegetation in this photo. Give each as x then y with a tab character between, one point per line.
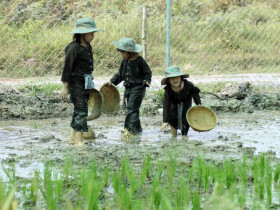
220	36
235	184
44	89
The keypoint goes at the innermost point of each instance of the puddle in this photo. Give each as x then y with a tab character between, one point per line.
32	142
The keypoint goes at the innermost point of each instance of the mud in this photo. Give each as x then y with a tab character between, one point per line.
16	103
30	143
35	129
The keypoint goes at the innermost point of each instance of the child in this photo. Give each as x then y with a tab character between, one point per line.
136	74
76	76
178	96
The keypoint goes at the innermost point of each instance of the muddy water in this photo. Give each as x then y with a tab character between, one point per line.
31	143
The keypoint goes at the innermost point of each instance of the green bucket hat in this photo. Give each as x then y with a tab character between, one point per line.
172	71
85	25
128	44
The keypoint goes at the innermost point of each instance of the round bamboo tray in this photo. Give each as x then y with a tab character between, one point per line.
201	118
111	97
95	104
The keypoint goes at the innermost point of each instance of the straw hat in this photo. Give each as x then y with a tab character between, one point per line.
172	71
95	104
111	98
85	25
127	44
201	118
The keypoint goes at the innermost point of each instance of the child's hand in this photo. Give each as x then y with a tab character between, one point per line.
64	91
164	126
108	83
146	83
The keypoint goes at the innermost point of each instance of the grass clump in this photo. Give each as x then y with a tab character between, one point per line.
47	89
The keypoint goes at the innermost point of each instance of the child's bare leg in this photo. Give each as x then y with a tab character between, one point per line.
79	139
72	136
173	131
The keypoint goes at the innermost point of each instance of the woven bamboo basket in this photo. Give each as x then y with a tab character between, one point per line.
201	118
111	97
95	104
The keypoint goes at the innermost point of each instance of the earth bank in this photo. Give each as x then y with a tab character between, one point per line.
27	104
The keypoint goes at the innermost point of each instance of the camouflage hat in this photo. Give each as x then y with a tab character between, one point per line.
128	44
172	71
85	25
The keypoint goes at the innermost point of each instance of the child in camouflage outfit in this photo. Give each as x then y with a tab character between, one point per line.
178	95
136	76
77	78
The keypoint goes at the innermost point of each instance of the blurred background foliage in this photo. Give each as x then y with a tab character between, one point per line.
207	36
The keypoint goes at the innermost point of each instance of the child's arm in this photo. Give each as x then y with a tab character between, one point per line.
147	74
195	94
71	56
117	78
166	109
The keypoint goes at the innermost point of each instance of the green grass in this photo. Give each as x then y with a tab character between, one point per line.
34	89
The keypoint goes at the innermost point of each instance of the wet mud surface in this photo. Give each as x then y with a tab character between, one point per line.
31	143
35	129
26	103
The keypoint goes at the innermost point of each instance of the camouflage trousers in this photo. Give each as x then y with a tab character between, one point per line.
133	98
79	97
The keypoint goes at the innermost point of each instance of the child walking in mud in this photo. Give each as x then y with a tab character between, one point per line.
178	95
77	78
136	74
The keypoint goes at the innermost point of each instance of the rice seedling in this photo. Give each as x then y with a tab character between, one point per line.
10	172
171	168
67	169
47	189
191	173
242	168
9	202
182	195
196	201
122	196
106	176
167	185
268	180
146	170
130	176
262	165
2	192
199	170
276	173
156	194
34	188
206	177
229	176
165	201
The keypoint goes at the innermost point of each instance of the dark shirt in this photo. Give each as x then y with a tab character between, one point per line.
172	99
78	62
133	72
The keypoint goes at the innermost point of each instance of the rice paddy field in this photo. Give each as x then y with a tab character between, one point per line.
233	166
220	43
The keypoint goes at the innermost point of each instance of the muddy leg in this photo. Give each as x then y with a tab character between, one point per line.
72	136
79	139
173	131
